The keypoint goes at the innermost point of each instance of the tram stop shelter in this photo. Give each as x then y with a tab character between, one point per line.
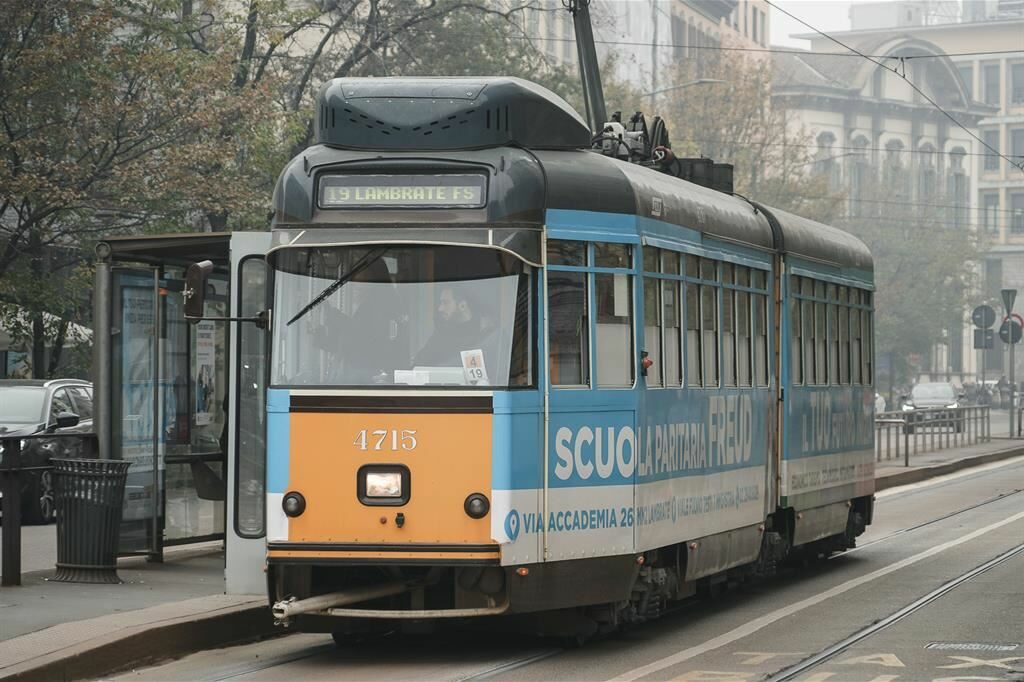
167	394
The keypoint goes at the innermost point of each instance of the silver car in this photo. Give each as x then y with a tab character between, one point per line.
926	402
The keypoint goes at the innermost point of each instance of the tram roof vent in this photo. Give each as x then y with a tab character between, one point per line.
445	113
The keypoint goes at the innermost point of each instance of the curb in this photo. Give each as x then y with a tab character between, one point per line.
145	644
918	474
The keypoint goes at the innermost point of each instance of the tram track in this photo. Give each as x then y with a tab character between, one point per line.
500	667
831	652
272	662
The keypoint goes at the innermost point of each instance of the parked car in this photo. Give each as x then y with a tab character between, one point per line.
925	403
30	407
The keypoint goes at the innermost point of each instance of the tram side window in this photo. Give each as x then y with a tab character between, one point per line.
833	336
564	252
844	336
709	322
796	333
729	341
760	314
693	338
807	318
652	329
820	336
614	328
671	319
568	328
743	349
652	317
856	343
869	341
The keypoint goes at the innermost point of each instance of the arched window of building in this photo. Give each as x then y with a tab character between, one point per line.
825	160
926	172
957	188
860	174
894	174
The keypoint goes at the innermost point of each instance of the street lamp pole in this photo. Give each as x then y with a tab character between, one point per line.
699	81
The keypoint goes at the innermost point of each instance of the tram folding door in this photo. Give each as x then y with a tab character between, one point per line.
247	413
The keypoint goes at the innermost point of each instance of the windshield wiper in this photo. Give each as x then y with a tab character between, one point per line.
360	265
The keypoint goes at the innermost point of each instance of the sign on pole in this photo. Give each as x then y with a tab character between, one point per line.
1010	330
1009	296
983	317
984	339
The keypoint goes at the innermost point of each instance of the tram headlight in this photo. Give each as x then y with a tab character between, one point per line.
384	484
477	506
293	504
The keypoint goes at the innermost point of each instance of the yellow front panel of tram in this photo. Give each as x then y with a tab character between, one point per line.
448	457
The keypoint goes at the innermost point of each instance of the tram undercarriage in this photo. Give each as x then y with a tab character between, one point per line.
546	599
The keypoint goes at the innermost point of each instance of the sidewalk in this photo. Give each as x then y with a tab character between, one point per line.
51	630
891	473
65	631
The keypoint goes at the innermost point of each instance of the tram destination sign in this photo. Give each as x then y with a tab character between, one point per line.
450	190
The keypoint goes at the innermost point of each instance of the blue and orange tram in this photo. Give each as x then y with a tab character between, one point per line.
511	374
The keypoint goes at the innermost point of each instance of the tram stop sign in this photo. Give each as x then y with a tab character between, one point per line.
1010	330
983	317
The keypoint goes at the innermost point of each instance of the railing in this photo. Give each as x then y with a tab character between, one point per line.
38	449
901	434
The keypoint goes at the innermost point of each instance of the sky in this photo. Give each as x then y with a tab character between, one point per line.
826	15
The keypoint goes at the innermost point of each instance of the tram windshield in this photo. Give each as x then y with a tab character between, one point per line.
401	315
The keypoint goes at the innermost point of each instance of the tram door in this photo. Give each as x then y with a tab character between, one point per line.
247	412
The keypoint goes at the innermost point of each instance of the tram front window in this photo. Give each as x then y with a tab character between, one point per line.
401	315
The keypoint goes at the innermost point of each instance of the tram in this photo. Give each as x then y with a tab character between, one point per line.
514	375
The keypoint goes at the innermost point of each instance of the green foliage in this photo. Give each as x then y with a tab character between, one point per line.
923	273
113	122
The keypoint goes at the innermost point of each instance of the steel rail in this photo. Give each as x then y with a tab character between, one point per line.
841	646
503	668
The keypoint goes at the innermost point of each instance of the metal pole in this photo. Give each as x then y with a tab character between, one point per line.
11	507
590	70
101	351
1012	380
156	552
906	447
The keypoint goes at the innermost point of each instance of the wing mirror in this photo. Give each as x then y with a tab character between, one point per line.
195	289
65	420
196	278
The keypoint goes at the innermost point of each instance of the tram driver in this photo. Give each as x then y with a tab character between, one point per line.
458	326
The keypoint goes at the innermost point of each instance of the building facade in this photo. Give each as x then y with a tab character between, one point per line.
647	40
985	41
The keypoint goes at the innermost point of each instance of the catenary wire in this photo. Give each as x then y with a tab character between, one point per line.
902	74
771	50
832	147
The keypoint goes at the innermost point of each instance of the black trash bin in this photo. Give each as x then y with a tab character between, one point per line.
90	501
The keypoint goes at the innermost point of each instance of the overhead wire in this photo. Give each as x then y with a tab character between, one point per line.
770	50
832	147
901	73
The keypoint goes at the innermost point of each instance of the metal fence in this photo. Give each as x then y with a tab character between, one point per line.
898	435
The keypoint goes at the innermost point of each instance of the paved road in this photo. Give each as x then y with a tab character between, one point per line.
924	536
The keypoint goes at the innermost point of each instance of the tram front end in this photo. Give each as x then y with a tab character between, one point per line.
386	360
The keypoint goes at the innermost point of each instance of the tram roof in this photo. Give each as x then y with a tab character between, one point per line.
588	181
527	182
